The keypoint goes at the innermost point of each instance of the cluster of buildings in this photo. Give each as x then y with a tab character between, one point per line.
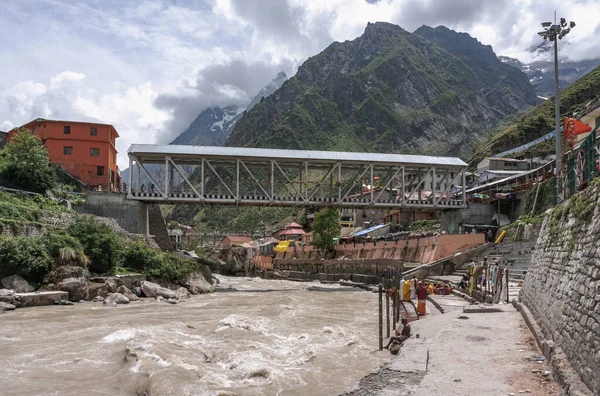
84	151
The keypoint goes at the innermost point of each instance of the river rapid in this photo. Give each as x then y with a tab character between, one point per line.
262	337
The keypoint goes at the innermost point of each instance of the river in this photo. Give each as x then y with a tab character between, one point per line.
263	337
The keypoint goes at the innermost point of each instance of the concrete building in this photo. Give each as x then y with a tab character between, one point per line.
85	150
234	240
503	164
592	118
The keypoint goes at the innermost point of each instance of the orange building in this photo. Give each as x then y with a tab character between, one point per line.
83	149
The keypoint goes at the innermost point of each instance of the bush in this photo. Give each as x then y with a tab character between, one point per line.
139	256
101	244
171	267
64	249
24	256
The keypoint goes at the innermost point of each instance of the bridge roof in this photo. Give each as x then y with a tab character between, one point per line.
151	153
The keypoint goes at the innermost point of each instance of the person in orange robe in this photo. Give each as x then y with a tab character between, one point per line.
406	287
422	299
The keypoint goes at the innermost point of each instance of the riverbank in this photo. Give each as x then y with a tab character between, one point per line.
484	354
268	337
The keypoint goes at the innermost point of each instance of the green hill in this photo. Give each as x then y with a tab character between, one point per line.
434	91
540	119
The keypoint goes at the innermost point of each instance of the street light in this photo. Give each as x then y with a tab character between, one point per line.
553	33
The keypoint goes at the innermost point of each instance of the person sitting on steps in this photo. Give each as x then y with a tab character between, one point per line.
400	336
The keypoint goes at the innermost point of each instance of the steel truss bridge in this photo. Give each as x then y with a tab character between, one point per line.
299	178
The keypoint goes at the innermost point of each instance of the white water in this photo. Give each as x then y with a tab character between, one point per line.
288	341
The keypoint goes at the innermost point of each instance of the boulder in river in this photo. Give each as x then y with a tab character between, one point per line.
137	291
6	306
69	278
17	283
76	287
10	297
182	293
116	298
197	284
113	283
98	299
127	293
97	289
64	272
154	290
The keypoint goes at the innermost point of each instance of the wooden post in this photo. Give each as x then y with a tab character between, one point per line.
380	317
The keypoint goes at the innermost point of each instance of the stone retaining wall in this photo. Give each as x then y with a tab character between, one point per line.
53	220
562	287
368	270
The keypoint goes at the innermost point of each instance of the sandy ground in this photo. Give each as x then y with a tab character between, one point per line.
486	354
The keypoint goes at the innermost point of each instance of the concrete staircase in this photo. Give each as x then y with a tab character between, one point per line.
515	255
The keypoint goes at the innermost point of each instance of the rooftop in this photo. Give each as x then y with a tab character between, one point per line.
68	122
150	153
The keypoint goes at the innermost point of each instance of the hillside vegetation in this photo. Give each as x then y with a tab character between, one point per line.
434	91
540	119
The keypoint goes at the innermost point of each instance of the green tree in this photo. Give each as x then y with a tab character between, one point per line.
25	164
326	226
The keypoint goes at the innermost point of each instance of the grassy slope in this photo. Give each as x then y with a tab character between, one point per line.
540	119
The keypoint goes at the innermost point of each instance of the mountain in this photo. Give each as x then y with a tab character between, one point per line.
213	126
435	91
541	73
574	99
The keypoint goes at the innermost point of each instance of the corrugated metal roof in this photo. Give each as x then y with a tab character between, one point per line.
152	151
369	230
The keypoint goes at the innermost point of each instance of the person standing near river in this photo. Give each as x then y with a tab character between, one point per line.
413	288
422	299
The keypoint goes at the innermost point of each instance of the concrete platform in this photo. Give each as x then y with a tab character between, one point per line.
38	299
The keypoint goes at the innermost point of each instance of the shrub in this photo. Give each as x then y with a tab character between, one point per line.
171	267
101	244
24	256
139	256
64	249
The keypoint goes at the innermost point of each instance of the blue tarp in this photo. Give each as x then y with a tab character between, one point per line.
368	230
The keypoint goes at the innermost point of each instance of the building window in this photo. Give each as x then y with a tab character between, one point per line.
95	152
100	171
93	131
68	150
67	130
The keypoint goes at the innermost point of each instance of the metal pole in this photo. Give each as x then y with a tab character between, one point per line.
557	121
380	317
507	290
129	175
387	314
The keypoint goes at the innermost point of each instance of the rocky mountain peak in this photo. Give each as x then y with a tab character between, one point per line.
390	91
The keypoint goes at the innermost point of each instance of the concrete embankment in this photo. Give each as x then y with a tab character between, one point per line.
562	288
454	356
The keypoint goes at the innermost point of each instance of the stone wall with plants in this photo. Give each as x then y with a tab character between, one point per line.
562	287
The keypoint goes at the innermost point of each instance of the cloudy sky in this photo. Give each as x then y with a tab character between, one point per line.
150	66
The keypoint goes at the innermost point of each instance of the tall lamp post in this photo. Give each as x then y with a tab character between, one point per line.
553	33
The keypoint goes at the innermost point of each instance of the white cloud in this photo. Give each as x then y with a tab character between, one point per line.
64	78
150	66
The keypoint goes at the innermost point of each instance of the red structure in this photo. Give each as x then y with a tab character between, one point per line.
85	150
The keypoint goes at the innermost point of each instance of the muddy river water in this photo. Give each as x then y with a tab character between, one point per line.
263	337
